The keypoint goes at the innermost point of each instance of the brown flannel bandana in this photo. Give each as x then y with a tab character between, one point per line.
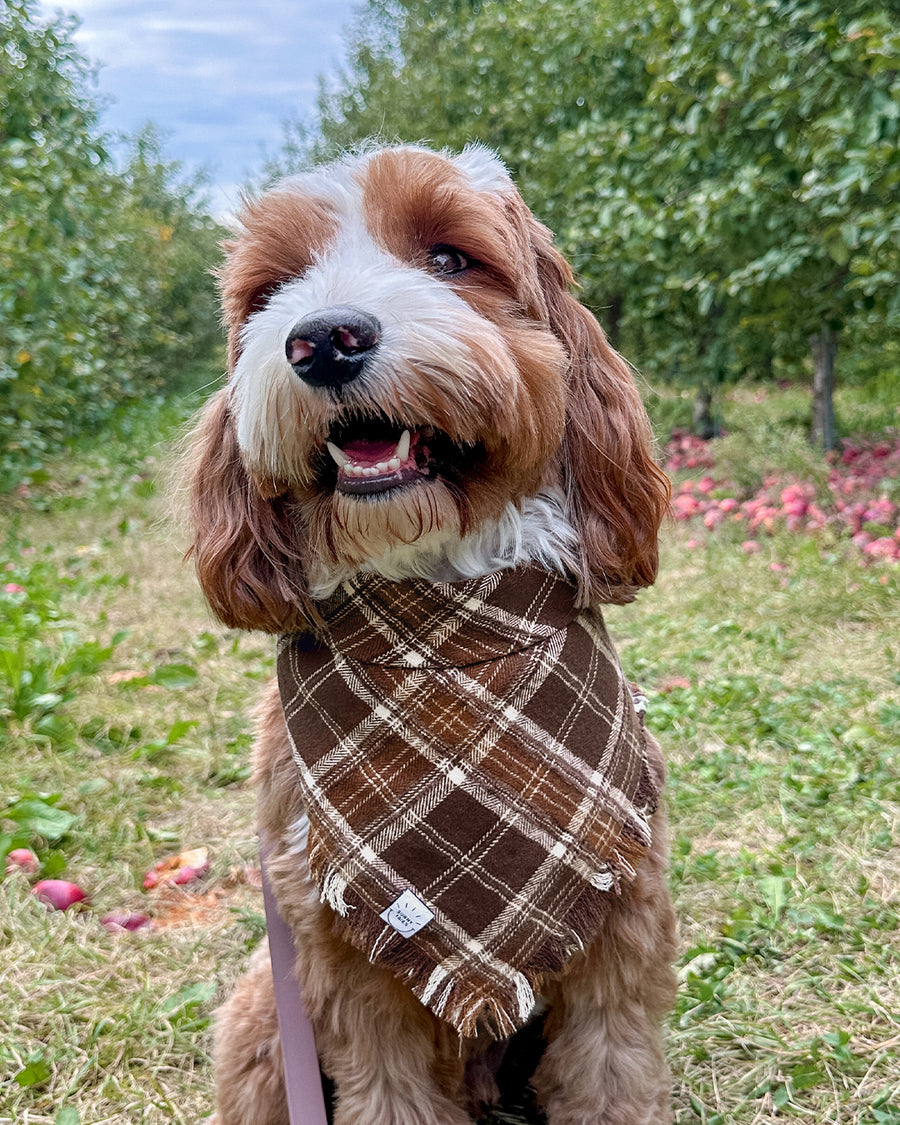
476	779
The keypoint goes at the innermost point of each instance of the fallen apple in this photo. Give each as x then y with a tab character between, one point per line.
22	859
179	869
59	894
125	921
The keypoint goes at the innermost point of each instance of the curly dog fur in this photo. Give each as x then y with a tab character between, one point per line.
414	390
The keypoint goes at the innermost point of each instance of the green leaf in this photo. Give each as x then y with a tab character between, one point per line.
47	701
183	1005
189	997
40	818
53	865
774	890
705	300
806	1076
35	1073
179	730
68	1115
781	1096
174	676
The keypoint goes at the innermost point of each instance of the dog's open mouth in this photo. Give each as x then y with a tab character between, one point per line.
376	455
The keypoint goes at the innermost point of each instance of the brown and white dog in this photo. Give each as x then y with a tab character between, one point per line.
414	391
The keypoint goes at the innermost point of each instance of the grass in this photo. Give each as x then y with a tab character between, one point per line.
774	695
126	710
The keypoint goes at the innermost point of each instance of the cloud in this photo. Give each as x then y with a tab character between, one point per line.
218	81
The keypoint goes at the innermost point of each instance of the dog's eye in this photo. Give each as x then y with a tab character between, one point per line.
448	260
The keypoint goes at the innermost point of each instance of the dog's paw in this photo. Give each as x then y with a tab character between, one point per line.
386	1112
558	1112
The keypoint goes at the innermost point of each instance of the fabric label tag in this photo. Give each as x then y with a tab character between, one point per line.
407	914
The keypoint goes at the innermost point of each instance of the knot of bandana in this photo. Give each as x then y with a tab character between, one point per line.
476	778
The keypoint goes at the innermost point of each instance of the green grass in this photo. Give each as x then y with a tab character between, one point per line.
775	697
126	711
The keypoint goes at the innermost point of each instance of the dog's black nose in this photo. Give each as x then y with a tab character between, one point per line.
329	348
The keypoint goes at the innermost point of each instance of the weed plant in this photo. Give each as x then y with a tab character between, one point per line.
126	733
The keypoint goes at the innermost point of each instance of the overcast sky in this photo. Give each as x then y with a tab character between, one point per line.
218	79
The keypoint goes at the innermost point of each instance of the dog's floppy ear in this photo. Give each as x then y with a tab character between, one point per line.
617	494
244	543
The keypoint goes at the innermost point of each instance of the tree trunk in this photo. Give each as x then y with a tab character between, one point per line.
824	344
713	358
704	424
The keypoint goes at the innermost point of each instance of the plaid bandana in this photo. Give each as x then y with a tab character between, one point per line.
476	779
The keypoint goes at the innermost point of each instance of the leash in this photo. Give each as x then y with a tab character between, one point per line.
302	1077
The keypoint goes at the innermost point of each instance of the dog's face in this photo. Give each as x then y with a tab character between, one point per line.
393	363
405	362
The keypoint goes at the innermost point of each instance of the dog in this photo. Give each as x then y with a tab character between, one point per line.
416	397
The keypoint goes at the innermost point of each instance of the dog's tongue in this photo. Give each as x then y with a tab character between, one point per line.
366	452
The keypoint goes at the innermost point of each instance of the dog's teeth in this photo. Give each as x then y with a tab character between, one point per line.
353	469
339	457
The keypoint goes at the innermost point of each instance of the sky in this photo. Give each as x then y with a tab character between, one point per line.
217	79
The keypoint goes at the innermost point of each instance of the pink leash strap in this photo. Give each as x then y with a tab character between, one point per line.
302	1078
